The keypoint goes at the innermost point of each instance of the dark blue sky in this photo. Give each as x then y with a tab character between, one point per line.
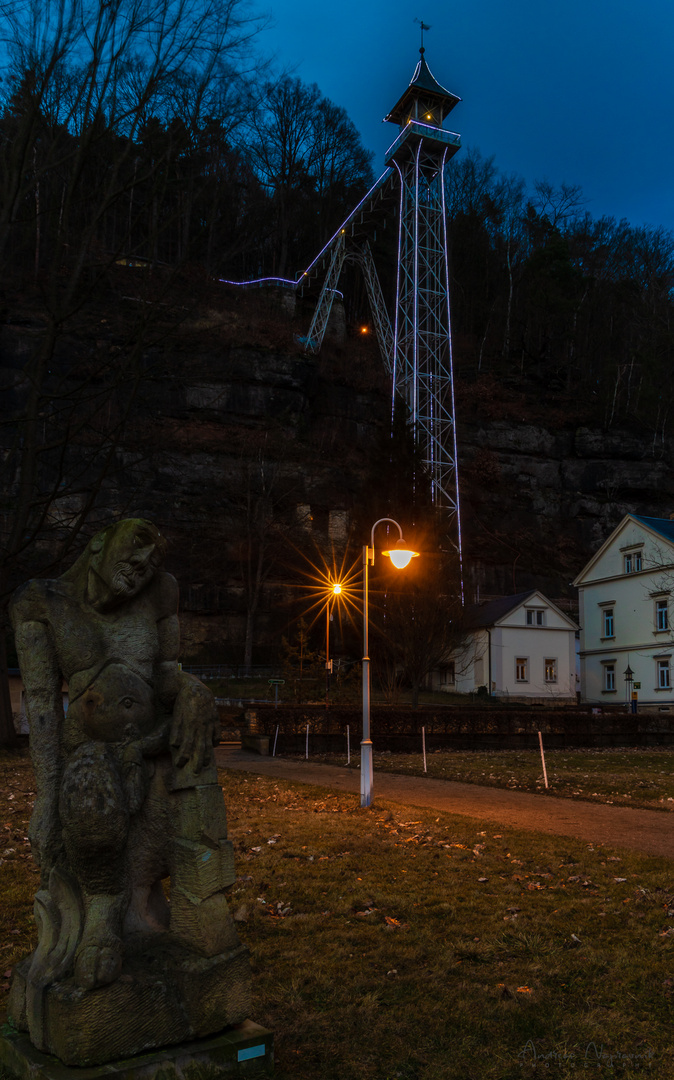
581	92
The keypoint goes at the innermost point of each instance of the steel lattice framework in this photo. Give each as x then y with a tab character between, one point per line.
423	373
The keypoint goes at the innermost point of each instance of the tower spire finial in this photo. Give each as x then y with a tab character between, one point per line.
424	26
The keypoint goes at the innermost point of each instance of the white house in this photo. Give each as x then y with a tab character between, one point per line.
625	593
522	646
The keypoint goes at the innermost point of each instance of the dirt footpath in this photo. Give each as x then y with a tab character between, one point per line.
647	831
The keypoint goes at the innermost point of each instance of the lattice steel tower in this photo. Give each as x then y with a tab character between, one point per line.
422	336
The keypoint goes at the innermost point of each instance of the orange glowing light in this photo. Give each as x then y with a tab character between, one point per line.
331	584
401	555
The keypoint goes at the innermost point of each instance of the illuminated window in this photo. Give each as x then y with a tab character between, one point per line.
550	670
662	615
521	668
608	622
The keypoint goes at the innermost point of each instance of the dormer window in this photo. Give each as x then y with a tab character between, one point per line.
535	617
632	562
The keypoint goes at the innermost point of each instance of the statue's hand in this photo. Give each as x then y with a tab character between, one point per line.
196	728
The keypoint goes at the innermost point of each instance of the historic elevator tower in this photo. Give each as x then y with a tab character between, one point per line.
422	368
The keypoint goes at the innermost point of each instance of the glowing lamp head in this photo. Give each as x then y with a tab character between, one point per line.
336	590
401	555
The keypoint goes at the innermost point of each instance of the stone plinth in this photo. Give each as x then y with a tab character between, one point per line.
164	995
242	1050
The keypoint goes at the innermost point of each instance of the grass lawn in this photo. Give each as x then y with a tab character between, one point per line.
404	943
626	777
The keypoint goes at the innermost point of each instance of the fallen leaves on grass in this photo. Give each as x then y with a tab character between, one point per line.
395	924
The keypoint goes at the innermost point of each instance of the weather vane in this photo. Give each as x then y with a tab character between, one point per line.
423	26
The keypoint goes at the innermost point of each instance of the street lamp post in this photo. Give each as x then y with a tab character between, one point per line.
336	590
629	679
400	556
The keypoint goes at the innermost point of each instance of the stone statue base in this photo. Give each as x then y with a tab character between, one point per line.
185	982
238	1051
164	995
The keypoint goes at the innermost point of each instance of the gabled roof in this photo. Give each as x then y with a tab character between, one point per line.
663	527
423	80
489	614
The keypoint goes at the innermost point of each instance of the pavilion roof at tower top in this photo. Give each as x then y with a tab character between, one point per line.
425	82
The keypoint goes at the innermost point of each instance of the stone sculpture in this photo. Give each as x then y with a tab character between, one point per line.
127	797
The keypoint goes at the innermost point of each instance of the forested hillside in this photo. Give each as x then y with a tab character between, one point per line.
146	154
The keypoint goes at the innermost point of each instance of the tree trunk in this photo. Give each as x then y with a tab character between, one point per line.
8	736
248	640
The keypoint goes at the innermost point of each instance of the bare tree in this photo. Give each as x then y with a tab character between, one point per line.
310	158
85	80
558	206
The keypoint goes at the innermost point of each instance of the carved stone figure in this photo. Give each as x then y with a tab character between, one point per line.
127	797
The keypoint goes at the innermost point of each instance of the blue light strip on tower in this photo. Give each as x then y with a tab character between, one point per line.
295	282
262	281
415	328
451	381
396	345
436	132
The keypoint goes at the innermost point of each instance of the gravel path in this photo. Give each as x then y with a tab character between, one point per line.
647	831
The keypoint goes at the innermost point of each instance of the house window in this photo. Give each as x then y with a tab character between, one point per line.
550	670
662	674
632	562
662	615
521	669
448	674
609	677
608	622
535	617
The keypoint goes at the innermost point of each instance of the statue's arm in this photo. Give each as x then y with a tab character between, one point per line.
195	728
42	681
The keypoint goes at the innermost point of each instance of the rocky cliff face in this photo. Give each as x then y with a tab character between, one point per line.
246	452
539	500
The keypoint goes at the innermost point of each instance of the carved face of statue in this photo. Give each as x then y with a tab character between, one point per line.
117	705
124	560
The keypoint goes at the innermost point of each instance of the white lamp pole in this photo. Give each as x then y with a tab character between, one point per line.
336	590
400	556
